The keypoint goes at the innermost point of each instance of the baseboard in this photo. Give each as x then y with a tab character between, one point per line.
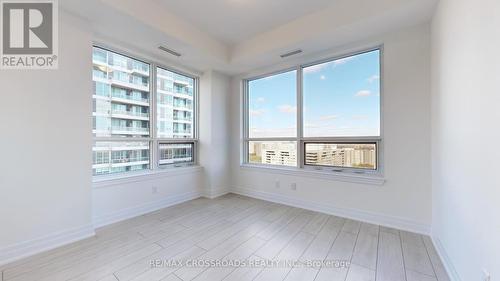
49	242
445	258
217	192
370	217
102	220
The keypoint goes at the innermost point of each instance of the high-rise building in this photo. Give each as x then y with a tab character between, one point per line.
175	104
274	153
340	155
122	104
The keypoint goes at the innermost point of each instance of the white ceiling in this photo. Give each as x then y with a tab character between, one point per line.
238	36
232	21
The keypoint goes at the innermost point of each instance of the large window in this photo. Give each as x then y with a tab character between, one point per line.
132	126
330	121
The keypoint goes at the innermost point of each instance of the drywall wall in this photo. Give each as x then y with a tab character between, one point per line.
121	199
404	200
45	179
213	129
465	116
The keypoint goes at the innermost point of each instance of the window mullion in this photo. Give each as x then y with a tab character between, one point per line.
152	120
299	119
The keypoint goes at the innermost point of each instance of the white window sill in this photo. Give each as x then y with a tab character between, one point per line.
118	179
367	178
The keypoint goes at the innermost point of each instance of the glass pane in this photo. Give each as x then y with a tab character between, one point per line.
272	106
345	155
118	157
175	104
342	97
121	95
282	153
176	153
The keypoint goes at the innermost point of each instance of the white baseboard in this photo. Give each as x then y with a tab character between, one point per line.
370	217
445	258
48	242
214	193
128	213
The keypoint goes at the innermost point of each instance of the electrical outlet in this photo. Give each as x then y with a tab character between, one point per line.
154	189
277	184
293	186
486	275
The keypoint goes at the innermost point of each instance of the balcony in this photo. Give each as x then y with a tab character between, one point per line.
178	94
130	160
183	107
176	160
130	130
123	114
183	119
182	132
140	70
129	99
129	85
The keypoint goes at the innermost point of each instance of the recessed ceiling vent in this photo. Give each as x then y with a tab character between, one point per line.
170	51
291	53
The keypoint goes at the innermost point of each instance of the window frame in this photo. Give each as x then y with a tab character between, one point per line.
300	139
152	139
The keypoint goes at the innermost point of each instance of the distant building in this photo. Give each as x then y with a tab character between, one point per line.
339	155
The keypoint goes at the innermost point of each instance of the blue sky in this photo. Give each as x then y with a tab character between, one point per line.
341	98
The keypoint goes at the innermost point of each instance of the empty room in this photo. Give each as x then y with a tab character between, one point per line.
294	140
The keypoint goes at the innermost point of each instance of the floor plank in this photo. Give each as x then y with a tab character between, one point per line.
416	276
237	228
390	265
365	252
360	273
415	254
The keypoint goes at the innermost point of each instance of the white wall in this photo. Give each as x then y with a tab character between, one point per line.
45	179
405	198
465	119
213	128
118	200
48	198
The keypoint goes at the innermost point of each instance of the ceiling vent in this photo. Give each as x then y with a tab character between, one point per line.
172	52
291	53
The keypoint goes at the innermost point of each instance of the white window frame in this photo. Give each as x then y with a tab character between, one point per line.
363	174
153	140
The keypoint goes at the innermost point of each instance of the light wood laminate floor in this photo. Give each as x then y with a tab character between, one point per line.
237	228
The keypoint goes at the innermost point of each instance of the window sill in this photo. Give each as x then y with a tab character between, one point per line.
369	179
112	180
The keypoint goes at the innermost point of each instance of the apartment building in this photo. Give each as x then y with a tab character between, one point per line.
122	103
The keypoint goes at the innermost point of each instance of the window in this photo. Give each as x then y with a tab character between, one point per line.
332	121
272	119
176	153
175	104
127	134
341	155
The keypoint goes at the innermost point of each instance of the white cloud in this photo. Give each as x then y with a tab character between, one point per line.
360	117
315	68
286	108
342	61
328	117
322	77
311	125
261	100
256	112
273	132
373	78
363	93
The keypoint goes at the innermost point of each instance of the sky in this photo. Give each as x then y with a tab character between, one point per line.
340	98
